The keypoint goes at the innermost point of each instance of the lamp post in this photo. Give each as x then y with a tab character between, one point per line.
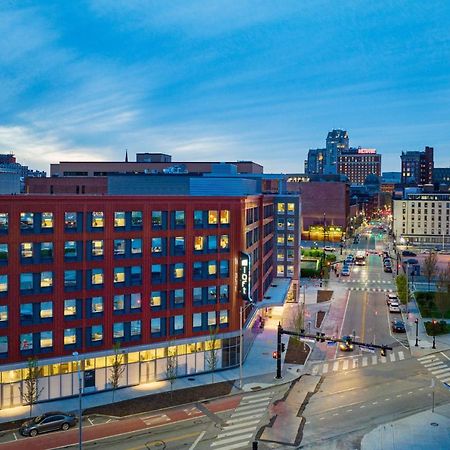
434	333
80	391
241	341
417	331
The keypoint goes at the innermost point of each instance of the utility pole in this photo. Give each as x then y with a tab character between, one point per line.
279	332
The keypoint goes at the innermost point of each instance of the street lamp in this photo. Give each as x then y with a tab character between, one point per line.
434	333
242	309
80	391
417	331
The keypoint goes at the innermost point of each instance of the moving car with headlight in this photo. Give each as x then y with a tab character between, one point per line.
51	421
346	345
398	326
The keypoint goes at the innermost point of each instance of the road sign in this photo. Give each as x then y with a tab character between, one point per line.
367	349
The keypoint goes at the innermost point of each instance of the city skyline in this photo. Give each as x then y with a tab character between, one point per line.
222	81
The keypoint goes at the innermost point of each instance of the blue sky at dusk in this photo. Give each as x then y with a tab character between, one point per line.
222	80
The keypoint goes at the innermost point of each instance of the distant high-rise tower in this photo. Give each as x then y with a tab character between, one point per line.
417	167
337	142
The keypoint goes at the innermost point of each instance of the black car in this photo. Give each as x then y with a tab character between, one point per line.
398	326
388	269
51	421
408	253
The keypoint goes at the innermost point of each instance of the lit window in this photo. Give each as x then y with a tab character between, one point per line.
224	216
280	255
3	221
70	219
119	302
197	294
178	323
70	307
281	208
119	275
211	318
135	300
155	299
280	239
179	244
97	305
3	283
212	293
119	219
3	313
224	291
46	310
290	271
97	276
47	220
135	328
26	249
26	220
212	267
224	242
290	239
96	333
70	278
178	270
290	223
213	217
26	281
97	219
118	330
280	270
70	336
46	339
97	248
26	341
280	224
291	207
223	316
198	243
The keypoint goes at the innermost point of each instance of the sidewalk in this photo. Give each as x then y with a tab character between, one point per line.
259	370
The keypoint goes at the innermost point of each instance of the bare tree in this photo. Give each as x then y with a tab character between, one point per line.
171	369
117	368
430	267
30	390
297	321
211	356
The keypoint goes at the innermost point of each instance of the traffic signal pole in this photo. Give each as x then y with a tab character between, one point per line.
279	333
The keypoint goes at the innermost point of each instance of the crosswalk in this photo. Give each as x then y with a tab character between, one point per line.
437	368
343	364
359	280
368	289
241	426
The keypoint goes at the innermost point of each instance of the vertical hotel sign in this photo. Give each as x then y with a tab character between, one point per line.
244	276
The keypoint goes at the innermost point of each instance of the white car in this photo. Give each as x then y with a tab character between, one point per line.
329	249
394	307
391	298
345	272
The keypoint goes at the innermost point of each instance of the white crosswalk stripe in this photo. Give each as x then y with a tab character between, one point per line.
441	370
433	364
344	364
424	358
436	367
443	374
243	423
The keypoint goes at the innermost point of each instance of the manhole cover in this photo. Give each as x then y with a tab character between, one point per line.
434	424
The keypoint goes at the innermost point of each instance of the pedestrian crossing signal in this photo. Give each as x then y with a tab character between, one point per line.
275	355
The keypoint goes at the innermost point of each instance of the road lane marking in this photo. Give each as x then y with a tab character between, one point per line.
233	426
386	399
335	366
445	356
445	380
345	365
374	403
364	361
315	370
401	356
440	371
410	392
392	357
194	444
325	368
244	401
252	396
349	410
245	407
374	359
383	359
335	414
321	418
362	406
246	413
423	358
235	432
15	436
355	363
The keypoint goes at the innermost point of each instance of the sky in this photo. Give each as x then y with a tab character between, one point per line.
258	80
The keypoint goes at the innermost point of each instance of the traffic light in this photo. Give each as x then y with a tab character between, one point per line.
283	347
275	355
320	337
416	321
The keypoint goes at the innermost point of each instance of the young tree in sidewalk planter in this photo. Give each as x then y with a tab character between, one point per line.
171	369
117	368
211	351
402	288
430	267
442	296
30	390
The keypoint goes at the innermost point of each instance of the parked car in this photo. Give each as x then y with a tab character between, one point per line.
50	421
394	307
388	269
408	253
391	298
328	248
398	326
